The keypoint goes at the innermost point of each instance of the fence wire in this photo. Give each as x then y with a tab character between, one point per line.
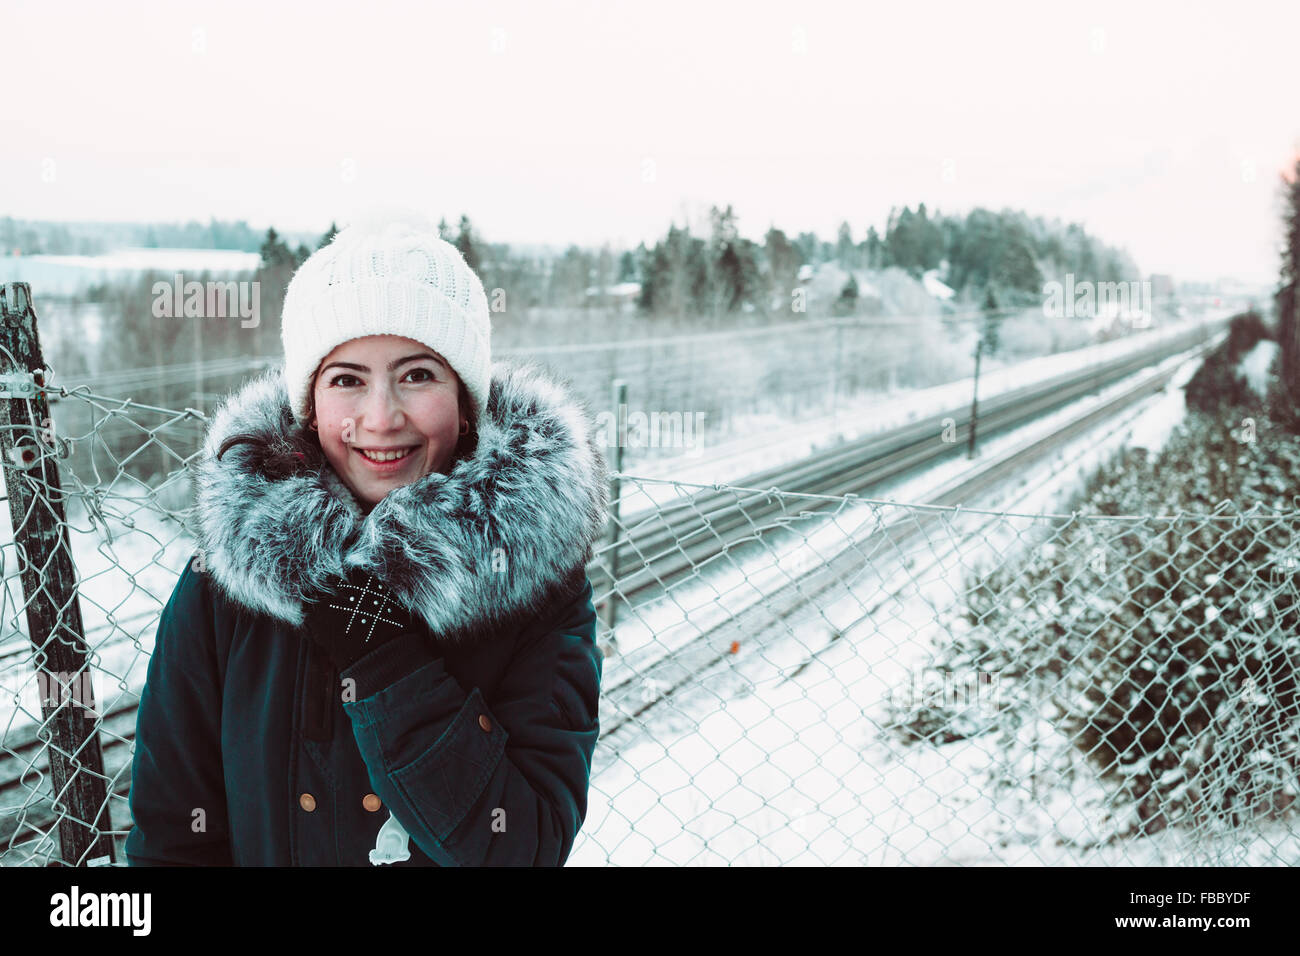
832	680
792	678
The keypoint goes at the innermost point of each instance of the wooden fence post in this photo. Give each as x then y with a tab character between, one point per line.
69	715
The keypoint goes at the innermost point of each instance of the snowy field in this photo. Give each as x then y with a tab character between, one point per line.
51	275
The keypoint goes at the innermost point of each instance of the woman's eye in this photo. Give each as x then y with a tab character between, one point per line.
430	377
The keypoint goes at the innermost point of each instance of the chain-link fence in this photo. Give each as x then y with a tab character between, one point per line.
96	537
805	678
789	677
817	679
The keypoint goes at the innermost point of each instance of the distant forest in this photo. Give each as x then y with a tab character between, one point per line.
1006	254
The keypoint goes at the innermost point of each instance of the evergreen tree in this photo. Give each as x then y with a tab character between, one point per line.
875	249
1014	266
698	273
750	281
732	280
627	271
655	279
930	241
603	276
275	252
809	248
846	252
1285	400
902	240
847	303
783	262
467	244
571	276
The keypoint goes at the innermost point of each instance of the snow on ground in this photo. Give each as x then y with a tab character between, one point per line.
141	259
1254	365
777	756
51	275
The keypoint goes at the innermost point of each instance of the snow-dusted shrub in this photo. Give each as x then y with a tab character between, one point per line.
1164	650
1219	383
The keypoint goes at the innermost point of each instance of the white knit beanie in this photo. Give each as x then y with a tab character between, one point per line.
386	275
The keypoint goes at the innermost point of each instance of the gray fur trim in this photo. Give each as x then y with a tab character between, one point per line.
491	540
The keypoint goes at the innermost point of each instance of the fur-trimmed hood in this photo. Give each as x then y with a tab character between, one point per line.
493	539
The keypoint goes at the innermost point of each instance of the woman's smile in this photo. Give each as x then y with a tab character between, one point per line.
387	461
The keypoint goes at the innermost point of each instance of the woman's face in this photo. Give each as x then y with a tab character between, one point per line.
386	393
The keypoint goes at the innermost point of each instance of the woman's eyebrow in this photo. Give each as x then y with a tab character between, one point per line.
392	366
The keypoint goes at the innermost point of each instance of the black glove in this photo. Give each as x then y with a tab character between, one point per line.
357	618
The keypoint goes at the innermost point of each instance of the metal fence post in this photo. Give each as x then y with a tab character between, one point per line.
835	373
619	395
70	720
975	399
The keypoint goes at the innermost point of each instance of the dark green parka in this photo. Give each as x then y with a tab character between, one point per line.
468	740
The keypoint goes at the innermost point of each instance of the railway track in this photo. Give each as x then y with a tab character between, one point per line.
765	617
663	543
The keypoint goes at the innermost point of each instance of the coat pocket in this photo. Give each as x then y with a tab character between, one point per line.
442	784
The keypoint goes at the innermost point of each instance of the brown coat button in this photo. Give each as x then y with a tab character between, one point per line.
371	802
307	802
484	722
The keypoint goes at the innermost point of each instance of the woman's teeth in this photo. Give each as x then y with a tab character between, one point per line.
386	455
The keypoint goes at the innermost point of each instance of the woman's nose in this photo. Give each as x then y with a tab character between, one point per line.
382	409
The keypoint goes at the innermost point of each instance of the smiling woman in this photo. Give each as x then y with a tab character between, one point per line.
395	612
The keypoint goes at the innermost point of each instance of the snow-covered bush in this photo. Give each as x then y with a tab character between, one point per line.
1164	649
1220	383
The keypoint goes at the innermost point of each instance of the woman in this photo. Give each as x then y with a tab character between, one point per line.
359	635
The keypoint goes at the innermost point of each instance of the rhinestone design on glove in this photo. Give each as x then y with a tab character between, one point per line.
365	606
361	615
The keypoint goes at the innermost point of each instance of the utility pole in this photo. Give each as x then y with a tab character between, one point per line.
975	399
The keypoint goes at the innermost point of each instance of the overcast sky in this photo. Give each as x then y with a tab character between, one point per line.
1163	127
